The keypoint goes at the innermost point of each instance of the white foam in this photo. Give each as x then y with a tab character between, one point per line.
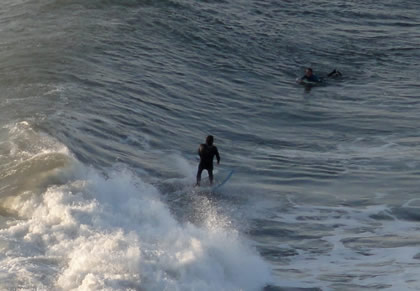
183	167
24	143
97	233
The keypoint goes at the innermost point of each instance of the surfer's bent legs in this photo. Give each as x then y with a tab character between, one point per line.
200	170
210	171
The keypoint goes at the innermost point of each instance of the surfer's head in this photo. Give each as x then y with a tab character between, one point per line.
209	140
308	72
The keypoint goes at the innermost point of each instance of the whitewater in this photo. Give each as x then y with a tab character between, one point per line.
104	103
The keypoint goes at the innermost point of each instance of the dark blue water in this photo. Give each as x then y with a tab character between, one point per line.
104	104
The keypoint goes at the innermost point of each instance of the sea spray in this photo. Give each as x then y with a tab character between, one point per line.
114	233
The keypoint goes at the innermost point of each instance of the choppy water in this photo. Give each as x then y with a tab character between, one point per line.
104	103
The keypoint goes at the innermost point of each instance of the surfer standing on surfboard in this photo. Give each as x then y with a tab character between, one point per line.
207	151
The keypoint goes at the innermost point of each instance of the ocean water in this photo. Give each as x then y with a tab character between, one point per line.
103	104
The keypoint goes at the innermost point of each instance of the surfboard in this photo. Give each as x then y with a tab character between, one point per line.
223	182
308	83
219	182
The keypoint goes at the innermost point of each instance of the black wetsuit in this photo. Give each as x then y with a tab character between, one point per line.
316	79
207	153
312	78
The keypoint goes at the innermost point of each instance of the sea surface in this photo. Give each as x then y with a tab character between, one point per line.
103	104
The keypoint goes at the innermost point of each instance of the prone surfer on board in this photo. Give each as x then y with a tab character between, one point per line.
207	151
310	77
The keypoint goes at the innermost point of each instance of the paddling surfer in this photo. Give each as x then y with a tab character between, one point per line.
310	77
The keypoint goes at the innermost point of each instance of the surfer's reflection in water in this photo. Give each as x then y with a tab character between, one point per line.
207	151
